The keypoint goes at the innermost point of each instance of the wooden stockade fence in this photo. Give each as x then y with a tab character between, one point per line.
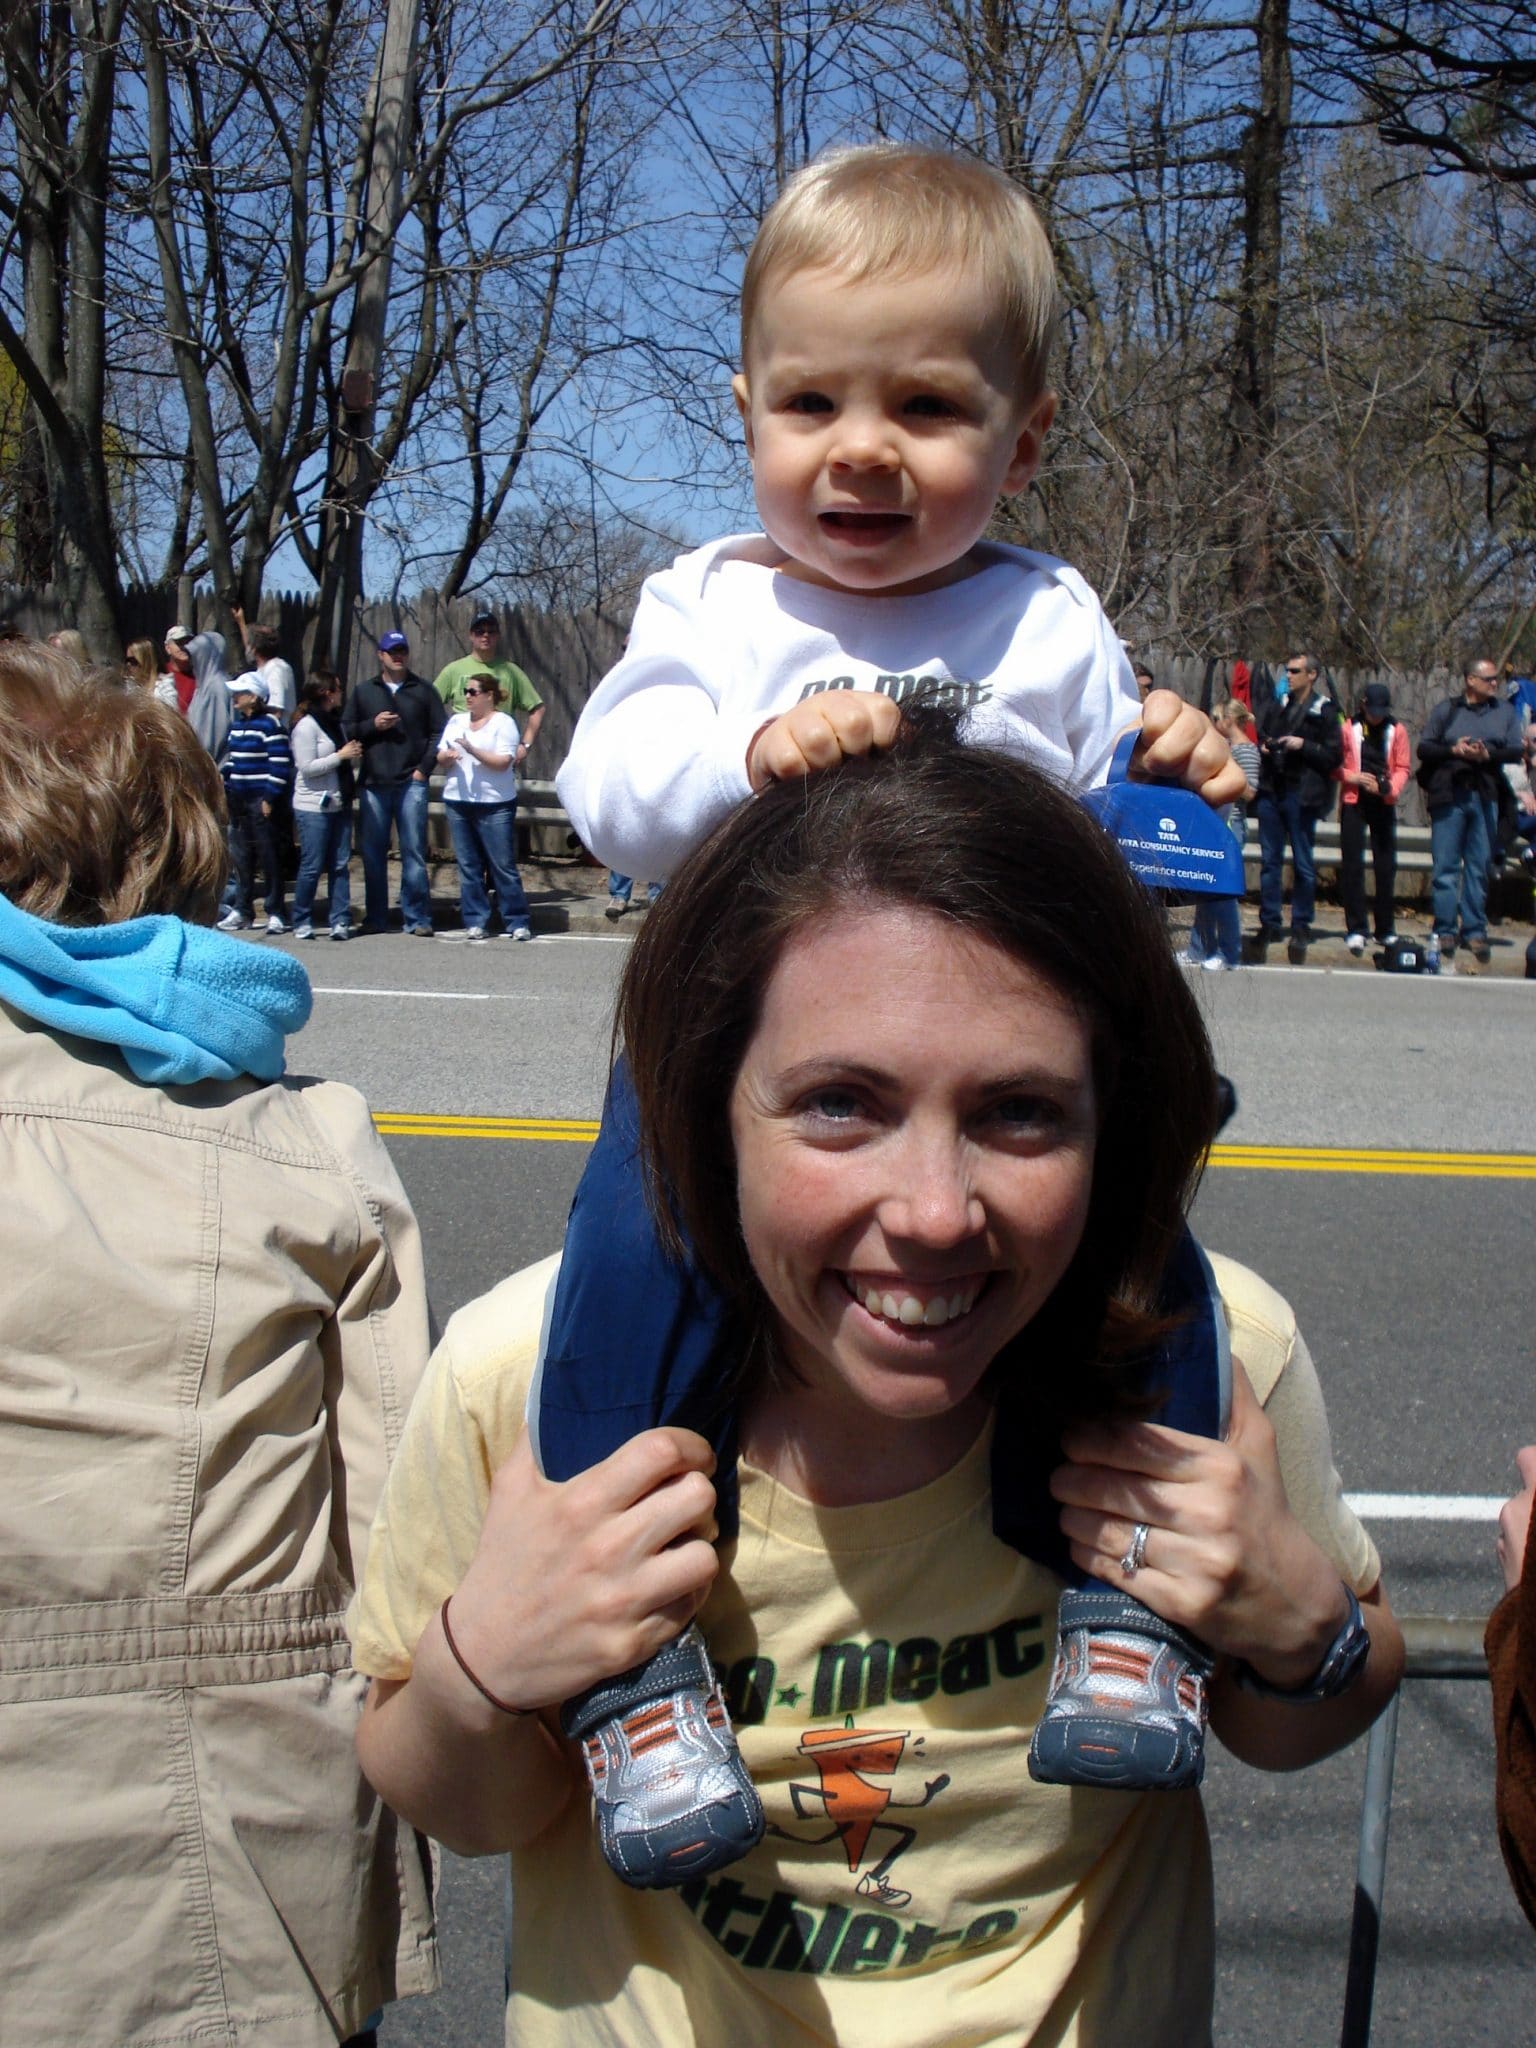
567	654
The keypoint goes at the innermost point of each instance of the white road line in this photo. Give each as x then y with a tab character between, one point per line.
1398	980
418	995
1426	1507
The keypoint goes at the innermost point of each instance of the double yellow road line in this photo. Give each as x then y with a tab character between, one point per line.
1248	1158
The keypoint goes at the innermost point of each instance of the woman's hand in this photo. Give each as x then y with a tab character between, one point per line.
350	752
569	1584
1225	1557
575	1580
1515	1519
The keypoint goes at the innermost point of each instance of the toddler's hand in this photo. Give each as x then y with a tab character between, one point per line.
1180	744
818	732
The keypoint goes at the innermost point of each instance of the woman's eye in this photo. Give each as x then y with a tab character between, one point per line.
1027	1113
832	1106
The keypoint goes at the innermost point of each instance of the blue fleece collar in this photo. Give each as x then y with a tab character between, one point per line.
179	1002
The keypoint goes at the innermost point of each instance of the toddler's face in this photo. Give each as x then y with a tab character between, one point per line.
883	423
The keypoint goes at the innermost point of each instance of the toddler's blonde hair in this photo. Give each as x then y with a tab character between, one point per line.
893	208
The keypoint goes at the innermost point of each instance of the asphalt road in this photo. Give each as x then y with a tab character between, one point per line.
1413	1289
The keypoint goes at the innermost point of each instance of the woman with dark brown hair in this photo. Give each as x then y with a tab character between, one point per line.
213	1319
921	1085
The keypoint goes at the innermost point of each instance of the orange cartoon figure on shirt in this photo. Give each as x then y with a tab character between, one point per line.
851	1763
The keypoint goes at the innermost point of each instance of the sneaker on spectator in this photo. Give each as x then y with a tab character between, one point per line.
233	921
275	925
1356	943
1296	950
521	931
301	931
1213	963
1391	939
616	909
341	931
475	934
420	931
1480	950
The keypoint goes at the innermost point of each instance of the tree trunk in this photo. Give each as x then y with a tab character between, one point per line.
353	468
1253	412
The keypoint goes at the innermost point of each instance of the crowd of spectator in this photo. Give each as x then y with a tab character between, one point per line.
1303	753
303	766
314	773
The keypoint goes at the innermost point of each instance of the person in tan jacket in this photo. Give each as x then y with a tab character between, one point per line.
213	1321
1510	1643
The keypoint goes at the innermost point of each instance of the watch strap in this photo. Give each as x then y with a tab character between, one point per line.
1343	1661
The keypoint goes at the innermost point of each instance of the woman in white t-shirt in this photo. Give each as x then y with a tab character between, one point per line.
919	1078
479	748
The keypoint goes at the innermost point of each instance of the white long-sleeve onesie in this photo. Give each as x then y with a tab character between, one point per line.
723	641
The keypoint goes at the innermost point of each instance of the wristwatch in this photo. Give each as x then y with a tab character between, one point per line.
1343	1662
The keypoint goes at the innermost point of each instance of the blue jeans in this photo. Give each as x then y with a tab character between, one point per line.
325	847
1217	928
402	805
1460	843
1282	818
485	836
620	887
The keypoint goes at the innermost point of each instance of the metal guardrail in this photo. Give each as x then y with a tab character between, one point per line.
1413	854
1437	1646
537	803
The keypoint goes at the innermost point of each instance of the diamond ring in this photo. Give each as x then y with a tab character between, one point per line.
1136	1556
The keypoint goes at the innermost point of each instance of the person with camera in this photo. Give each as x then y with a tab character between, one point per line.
1466	743
1301	748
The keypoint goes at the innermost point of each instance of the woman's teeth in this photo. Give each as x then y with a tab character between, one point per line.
907	1309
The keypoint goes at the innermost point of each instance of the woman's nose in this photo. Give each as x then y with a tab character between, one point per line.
932	1199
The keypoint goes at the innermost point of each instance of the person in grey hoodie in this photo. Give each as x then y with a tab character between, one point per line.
209	712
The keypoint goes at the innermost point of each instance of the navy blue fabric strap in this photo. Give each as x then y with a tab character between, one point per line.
1189	1371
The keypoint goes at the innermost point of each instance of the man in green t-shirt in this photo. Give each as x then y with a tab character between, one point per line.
521	701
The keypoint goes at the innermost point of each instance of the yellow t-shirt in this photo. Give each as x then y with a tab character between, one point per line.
885	1665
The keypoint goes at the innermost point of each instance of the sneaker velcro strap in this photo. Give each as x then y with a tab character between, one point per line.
1101	1609
684	1662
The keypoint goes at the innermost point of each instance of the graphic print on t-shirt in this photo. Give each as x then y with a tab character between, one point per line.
901	689
855	1767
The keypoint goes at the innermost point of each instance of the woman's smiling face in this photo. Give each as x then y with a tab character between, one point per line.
914	1127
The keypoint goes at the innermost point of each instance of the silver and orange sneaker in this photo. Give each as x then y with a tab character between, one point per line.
672	1796
1127	1707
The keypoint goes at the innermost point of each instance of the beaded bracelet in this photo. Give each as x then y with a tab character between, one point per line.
517	1713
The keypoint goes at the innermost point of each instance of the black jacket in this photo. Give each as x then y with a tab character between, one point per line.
1444	773
1309	769
393	756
